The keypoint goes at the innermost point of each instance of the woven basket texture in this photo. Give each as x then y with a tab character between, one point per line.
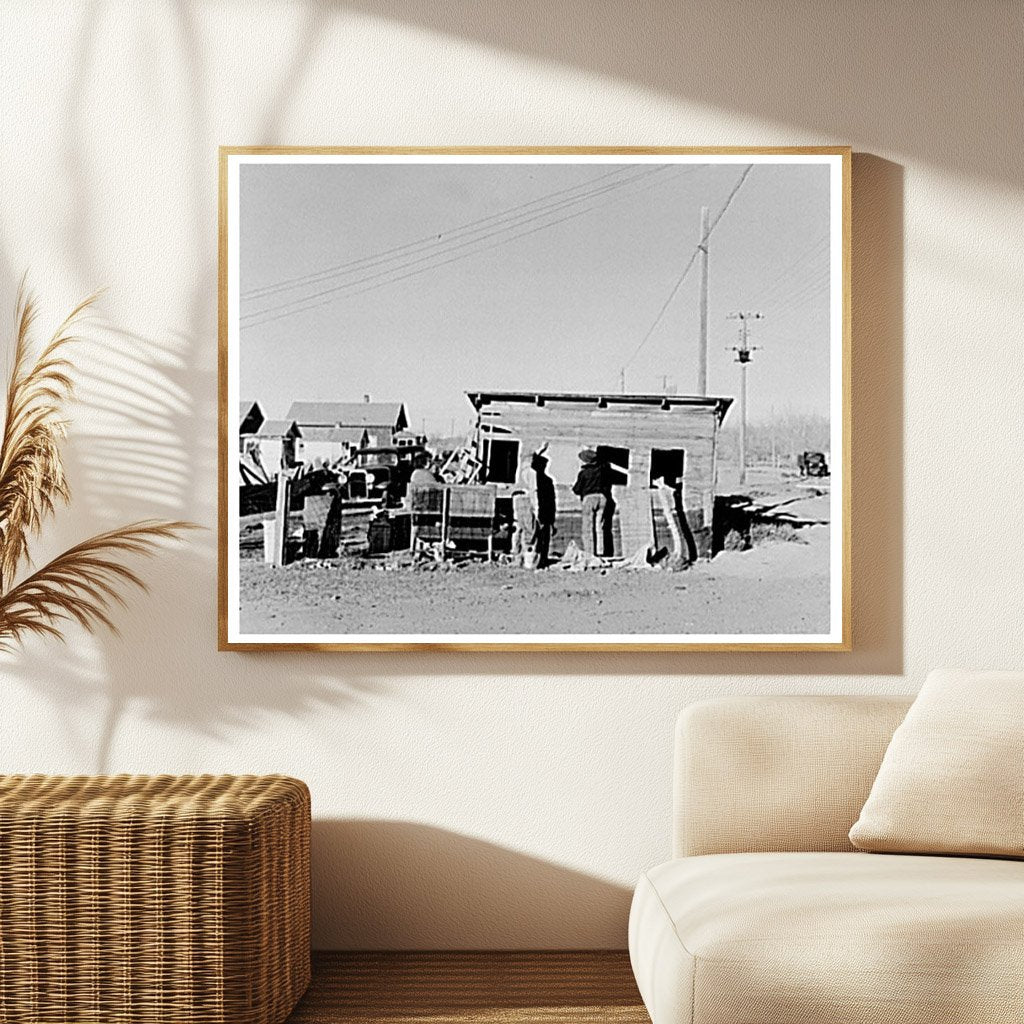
143	899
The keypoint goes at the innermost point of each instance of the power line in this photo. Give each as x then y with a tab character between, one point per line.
808	289
447	249
284	312
303	303
689	264
793	312
781	279
428	241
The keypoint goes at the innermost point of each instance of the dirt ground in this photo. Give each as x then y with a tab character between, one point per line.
780	586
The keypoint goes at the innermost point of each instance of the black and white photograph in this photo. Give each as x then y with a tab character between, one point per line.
555	398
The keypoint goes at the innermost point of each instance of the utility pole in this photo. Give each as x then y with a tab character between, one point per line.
622	381
702	358
743	351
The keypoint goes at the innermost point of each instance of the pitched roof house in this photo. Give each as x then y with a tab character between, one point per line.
380	420
278	428
352	437
250	416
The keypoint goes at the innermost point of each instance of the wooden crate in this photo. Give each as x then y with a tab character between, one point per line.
472	501
459	513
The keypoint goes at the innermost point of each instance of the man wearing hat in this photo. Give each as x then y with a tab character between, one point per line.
593	487
533	504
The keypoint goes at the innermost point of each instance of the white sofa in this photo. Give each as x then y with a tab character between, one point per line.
768	915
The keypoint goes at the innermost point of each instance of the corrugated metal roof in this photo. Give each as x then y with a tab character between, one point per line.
349	414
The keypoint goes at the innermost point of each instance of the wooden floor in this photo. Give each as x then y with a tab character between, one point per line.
466	988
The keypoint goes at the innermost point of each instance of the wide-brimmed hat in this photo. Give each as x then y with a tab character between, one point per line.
588	455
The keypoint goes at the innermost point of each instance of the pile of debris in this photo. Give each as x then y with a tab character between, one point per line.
742	519
461	467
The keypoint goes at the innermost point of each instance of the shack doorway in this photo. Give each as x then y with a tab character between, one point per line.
618	460
501	460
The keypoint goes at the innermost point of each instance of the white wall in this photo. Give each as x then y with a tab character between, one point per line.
503	800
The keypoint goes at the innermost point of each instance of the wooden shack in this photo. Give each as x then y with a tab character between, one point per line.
645	439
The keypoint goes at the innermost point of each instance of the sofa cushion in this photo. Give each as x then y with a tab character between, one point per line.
950	781
833	938
782	772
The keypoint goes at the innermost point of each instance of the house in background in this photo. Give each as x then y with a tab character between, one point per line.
275	444
407	439
250	419
644	438
381	421
326	445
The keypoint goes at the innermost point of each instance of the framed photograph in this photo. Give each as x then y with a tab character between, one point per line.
565	399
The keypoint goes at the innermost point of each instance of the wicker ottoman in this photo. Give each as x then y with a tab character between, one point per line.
136	900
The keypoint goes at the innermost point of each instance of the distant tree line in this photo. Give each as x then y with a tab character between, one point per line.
777	441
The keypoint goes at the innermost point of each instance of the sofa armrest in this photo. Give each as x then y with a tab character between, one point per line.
759	774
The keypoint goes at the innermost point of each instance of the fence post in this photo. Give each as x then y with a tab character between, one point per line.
284	491
446	514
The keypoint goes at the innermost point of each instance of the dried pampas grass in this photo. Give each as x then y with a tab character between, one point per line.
83	583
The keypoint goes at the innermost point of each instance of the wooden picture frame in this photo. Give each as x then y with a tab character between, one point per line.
376	219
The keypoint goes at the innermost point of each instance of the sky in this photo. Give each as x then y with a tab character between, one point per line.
419	282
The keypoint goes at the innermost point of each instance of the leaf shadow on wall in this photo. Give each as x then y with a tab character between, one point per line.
405	885
147	444
135	458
